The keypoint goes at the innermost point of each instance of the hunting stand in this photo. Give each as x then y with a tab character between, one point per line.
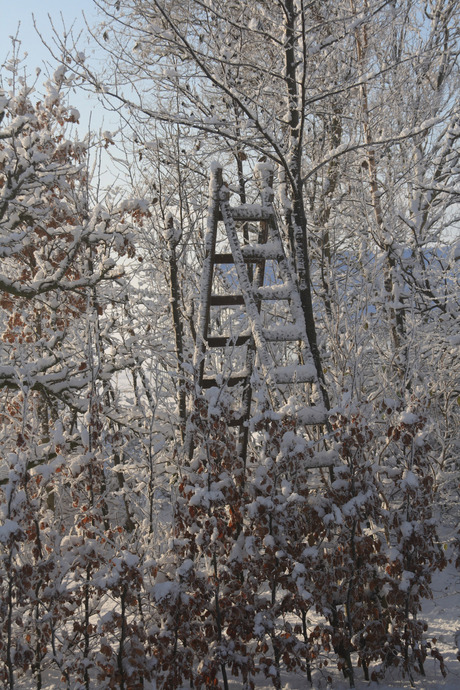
251	327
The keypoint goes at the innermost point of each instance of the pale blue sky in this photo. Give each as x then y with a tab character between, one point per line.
13	12
19	12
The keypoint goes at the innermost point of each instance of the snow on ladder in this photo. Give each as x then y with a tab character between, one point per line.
257	300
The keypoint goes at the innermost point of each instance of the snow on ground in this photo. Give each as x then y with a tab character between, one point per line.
442	615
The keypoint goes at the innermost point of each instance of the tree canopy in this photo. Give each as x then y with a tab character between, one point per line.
149	538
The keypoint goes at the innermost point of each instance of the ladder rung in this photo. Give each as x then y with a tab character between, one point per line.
284	334
250	212
253	253
295	373
226	300
274	292
224	259
224	340
231	381
228	259
262	252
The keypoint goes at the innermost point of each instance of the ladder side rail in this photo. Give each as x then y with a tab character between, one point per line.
263	174
252	310
215	184
257	279
327	457
286	274
298	313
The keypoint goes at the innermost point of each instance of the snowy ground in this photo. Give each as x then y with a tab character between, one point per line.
443	617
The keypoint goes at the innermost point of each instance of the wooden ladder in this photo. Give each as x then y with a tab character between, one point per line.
260	278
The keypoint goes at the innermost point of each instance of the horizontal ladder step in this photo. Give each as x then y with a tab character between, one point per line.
295	373
274	292
283	334
263	252
224	259
270	292
226	300
227	340
253	253
210	382
250	212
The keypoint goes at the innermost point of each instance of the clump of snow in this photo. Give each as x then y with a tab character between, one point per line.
408	418
184	569
163	590
410	480
10	528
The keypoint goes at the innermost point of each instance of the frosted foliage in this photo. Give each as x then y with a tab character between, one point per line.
151	534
